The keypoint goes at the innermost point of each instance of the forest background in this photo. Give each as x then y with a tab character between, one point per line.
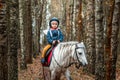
96	22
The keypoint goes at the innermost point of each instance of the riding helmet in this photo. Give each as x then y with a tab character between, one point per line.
53	19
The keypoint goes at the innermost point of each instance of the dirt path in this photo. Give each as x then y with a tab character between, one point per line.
35	72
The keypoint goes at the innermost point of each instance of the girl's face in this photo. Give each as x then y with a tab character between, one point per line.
54	24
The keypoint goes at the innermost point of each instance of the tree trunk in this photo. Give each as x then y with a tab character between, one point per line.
71	29
73	21
12	39
114	38
67	21
23	64
108	54
28	31
90	40
84	18
3	41
99	64
79	28
38	22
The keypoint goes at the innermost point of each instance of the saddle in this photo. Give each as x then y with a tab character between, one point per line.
48	57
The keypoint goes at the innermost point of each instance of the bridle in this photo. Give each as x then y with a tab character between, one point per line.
74	62
77	66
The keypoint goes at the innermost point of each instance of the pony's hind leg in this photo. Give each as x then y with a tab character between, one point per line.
67	74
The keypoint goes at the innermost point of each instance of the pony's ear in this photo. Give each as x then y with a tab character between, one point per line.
45	31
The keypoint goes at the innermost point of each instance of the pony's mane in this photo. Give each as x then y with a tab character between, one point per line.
68	43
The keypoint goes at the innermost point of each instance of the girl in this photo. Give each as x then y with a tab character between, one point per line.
54	36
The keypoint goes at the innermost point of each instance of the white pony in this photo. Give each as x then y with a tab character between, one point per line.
65	54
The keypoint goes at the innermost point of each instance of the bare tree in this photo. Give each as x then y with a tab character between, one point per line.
23	64
37	10
12	37
67	21
28	30
99	64
114	38
3	41
109	9
79	22
90	36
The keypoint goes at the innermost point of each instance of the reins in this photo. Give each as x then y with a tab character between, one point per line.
62	66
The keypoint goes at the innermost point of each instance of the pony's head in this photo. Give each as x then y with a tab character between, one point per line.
80	52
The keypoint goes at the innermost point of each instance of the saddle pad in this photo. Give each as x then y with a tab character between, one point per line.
48	59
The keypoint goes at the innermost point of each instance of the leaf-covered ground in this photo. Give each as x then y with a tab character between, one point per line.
35	72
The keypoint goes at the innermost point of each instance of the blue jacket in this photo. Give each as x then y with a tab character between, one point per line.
54	35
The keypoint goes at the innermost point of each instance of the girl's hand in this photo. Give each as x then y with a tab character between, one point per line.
58	41
53	42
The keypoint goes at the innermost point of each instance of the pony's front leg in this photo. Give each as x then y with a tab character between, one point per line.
53	75
67	74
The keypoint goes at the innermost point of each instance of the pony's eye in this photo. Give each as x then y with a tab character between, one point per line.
80	53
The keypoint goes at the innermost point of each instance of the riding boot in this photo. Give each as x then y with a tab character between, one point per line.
44	53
